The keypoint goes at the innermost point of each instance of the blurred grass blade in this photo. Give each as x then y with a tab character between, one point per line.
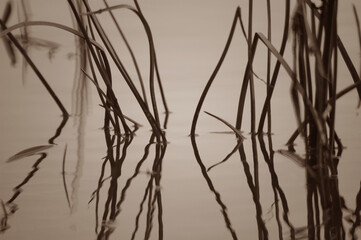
35	69
358	29
236	131
8	46
29	152
298	160
48	24
106	9
359	37
293	156
347	90
7	12
349	65
4	220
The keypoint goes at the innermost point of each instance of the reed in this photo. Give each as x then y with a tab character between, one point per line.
314	95
114	119
7	42
99	54
153	119
317	50
96	55
213	189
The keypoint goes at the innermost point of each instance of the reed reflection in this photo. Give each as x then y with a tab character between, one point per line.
252	180
117	131
80	93
314	41
315	226
356	216
117	149
268	155
27	41
10	206
212	188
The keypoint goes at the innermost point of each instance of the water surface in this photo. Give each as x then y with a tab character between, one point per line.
62	199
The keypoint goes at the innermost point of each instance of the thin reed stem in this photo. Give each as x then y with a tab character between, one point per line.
135	63
274	78
269	36
237	16
154	121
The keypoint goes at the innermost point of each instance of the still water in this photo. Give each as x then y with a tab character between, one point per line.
64	190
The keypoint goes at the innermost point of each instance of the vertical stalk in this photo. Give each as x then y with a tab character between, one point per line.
135	63
269	35
251	82
276	69
214	73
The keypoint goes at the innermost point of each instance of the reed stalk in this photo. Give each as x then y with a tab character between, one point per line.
315	41
237	17
153	120
272	84
135	63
